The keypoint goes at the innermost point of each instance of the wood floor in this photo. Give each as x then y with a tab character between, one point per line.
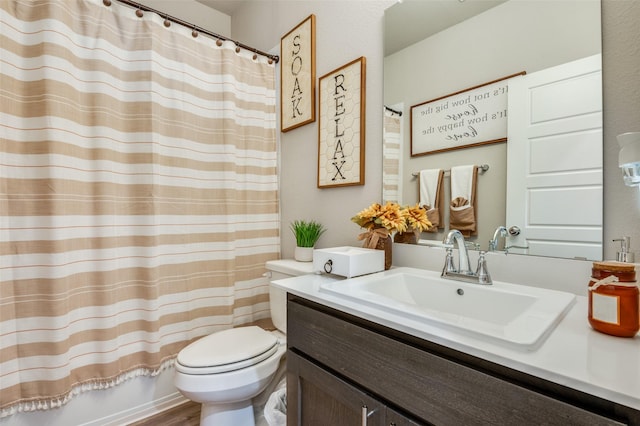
187	414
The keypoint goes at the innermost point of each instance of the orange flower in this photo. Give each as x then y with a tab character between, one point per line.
417	218
392	217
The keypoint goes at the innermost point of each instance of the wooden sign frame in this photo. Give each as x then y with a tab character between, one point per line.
341	126
471	117
298	75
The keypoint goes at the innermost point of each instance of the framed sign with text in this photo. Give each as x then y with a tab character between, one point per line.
341	126
298	75
471	117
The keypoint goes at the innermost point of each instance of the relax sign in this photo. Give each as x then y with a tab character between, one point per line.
341	126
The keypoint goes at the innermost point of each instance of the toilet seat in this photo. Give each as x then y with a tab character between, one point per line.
226	351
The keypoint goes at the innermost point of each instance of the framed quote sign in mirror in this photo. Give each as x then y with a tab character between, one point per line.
341	126
470	117
298	75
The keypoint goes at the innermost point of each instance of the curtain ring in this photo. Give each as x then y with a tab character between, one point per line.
255	56
167	22
237	49
106	2
194	33
139	13
270	61
218	42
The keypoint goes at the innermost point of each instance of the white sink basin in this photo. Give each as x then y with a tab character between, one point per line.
518	315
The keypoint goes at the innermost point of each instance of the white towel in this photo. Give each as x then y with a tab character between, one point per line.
429	187
462	182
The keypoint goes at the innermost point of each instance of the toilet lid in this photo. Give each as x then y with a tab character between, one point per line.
229	349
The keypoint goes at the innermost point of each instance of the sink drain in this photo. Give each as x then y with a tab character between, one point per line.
460	291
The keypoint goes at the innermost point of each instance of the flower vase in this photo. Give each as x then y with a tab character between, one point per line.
408	237
386	245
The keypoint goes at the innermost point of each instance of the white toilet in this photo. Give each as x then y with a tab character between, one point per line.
225	370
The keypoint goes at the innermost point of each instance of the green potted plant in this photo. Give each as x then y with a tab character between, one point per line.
307	234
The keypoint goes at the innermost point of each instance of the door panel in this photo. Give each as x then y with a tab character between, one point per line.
554	160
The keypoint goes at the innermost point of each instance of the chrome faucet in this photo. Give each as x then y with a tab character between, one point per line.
501	231
463	272
464	266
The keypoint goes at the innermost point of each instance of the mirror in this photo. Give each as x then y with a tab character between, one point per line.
452	45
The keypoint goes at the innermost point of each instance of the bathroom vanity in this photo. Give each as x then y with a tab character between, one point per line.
351	364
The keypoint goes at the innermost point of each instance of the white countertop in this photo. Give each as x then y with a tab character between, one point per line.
573	354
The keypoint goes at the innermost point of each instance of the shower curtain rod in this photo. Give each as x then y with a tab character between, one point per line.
139	6
393	110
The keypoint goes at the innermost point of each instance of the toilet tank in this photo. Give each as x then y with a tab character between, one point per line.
278	270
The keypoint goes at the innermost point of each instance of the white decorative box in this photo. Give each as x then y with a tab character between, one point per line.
348	261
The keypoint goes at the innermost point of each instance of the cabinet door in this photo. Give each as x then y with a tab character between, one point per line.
317	398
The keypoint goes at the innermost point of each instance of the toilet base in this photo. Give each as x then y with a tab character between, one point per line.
231	414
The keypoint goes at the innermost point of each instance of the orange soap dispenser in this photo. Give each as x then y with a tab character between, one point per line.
614	298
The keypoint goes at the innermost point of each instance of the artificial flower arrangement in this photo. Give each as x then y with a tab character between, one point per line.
380	221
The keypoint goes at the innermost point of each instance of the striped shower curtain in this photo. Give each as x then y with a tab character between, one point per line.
391	154
138	195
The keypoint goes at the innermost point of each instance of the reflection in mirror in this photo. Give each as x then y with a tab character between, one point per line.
504	39
391	154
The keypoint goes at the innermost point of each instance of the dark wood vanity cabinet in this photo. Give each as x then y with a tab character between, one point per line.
342	369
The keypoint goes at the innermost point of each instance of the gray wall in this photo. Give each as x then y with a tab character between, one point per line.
194	13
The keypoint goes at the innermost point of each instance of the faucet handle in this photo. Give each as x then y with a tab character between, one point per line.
482	272
448	262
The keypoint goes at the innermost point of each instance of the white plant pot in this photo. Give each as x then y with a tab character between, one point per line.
303	254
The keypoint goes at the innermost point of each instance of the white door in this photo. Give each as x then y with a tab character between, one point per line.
554	160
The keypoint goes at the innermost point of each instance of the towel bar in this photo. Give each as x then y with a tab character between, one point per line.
482	168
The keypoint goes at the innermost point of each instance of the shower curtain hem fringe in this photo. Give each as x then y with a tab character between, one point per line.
57	402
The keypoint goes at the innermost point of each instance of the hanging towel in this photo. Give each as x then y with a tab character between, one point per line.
463	209
432	196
